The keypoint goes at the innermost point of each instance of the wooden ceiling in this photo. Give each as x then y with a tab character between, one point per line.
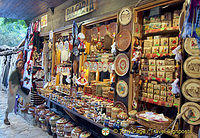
26	9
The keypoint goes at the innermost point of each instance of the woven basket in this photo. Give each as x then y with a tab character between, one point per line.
153	124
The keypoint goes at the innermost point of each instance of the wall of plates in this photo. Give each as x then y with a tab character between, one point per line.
191	84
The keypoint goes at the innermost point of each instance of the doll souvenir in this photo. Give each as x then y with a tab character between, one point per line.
81	46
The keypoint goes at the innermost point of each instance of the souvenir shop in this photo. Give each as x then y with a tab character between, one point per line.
132	73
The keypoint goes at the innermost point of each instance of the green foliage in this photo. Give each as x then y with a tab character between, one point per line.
12	31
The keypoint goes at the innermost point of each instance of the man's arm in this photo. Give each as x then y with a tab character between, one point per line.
10	89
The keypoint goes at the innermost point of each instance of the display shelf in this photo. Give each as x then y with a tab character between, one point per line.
158	55
159	79
169	30
117	135
157	102
61	92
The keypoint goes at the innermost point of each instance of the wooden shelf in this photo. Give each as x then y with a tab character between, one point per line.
160	32
117	135
157	102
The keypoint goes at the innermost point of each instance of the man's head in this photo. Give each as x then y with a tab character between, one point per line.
20	64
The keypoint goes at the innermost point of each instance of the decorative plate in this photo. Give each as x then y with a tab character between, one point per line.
112	29
107	42
123	40
100	66
119	104
88	35
94	33
125	16
105	67
191	90
121	64
192	66
122	88
103	30
191	46
95	66
86	65
192	115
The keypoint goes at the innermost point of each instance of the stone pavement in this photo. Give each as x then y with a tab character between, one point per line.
19	128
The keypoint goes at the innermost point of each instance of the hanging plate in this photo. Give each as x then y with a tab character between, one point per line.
123	40
88	35
103	30
121	64
192	115
192	66
112	29
191	90
122	88
119	104
125	16
100	66
105	67
94	33
191	46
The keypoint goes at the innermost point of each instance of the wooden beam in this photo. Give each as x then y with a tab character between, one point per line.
10	52
155	4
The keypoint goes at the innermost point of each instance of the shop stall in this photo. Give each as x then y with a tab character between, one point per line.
118	75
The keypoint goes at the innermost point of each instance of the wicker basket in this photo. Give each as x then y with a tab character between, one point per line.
152	124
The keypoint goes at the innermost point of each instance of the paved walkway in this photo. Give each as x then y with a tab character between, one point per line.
19	128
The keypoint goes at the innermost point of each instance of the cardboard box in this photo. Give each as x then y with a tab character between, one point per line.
152	68
160	62
152	62
163	49
155	49
164	41
160	74
161	68
173	41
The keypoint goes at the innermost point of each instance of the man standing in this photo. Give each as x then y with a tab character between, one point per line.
14	88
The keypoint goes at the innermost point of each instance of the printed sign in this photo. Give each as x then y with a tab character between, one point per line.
80	9
44	21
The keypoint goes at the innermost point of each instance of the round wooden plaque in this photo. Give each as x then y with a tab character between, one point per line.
192	66
121	64
123	40
191	46
191	90
192	115
119	104
125	16
122	88
112	29
103	30
94	33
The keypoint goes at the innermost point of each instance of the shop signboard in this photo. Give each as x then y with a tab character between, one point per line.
80	9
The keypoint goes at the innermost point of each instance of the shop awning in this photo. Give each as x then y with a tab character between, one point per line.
26	9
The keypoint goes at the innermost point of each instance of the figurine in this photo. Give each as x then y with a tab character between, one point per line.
81	46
